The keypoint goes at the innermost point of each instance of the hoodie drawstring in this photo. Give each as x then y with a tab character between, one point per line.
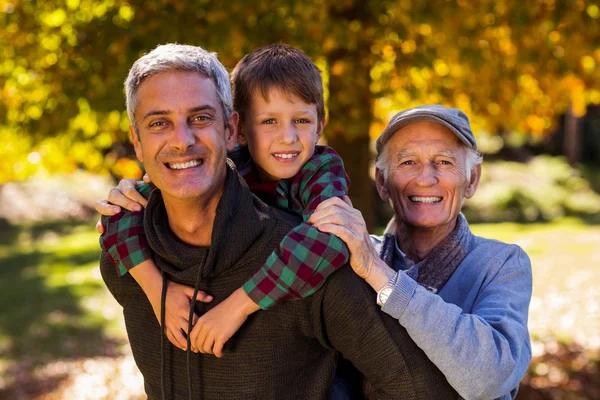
190	325
163	297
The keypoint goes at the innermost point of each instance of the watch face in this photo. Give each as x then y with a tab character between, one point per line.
384	294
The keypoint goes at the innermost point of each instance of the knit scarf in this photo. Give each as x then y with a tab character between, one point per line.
441	262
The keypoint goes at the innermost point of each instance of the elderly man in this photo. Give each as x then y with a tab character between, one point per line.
207	231
463	299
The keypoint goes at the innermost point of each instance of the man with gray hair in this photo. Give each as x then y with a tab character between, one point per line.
463	299
208	232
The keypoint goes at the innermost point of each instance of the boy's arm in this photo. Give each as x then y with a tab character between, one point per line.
297	268
124	239
306	256
125	244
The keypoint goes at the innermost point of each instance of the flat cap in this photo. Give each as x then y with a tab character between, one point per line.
452	118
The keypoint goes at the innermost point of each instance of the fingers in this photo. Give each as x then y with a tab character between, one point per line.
347	200
330	206
116	197
218	348
129	190
146	178
176	335
208	343
200	296
99	226
105	208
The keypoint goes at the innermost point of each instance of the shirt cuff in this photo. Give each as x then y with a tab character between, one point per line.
404	290
130	253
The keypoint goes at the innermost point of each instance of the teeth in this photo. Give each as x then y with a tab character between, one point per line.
288	155
432	199
188	164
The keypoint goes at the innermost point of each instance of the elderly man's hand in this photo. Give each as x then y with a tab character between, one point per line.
339	218
124	196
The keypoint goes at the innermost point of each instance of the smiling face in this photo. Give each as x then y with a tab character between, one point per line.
183	138
280	132
426	180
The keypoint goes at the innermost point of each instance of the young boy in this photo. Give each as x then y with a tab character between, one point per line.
278	93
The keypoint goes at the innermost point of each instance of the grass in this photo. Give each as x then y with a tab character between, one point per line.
61	331
55	305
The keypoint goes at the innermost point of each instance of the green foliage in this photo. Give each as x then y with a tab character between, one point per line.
544	189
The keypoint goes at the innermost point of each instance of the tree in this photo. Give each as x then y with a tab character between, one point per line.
511	66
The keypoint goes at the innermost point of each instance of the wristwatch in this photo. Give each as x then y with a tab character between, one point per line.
386	290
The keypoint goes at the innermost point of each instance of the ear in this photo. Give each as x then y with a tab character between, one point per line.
137	145
241	136
474	182
319	131
231	131
380	183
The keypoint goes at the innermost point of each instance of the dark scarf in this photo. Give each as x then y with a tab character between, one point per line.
441	262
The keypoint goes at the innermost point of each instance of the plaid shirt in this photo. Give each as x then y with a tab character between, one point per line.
304	258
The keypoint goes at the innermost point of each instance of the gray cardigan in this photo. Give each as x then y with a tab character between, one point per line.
475	329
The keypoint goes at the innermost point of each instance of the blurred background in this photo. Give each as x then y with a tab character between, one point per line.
527	74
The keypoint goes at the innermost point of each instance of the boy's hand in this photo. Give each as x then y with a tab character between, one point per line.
218	325
177	300
177	309
125	196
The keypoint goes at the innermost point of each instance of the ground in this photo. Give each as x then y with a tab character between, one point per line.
61	335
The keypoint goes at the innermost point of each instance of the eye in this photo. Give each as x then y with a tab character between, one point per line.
407	162
445	162
202	118
302	121
157	124
269	121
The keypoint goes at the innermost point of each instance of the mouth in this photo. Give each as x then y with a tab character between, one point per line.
286	156
184	165
425	199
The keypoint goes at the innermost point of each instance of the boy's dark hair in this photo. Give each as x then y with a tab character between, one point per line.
277	66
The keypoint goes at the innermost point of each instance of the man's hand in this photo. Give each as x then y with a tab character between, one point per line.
338	217
218	325
124	195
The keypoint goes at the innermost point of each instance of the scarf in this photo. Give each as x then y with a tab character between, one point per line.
441	262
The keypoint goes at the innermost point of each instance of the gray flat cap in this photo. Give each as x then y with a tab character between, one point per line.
452	118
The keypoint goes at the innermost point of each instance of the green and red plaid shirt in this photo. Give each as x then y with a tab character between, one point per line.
305	256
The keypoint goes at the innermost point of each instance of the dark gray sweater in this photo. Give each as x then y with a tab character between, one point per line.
287	352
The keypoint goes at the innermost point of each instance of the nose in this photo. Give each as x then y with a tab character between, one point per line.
182	137
288	133
427	175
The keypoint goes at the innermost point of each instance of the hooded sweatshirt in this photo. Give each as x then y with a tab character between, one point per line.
287	352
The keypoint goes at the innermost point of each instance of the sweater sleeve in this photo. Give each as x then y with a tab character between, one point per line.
124	239
484	353
376	344
306	256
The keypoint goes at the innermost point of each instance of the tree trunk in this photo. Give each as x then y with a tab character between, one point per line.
356	156
350	116
573	137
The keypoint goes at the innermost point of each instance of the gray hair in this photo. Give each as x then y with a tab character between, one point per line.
174	57
474	158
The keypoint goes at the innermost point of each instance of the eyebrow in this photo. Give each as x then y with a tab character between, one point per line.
445	153
191	110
